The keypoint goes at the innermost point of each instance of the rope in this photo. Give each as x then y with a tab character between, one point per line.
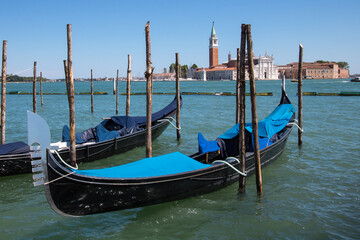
236	170
167	119
293	123
23	71
58	178
75	168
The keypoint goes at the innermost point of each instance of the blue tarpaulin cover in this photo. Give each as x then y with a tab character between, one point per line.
149	167
272	124
207	146
116	126
14	148
103	134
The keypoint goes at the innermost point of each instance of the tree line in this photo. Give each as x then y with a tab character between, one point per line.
183	69
16	78
341	64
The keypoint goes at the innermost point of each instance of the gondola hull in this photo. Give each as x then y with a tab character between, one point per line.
76	195
15	164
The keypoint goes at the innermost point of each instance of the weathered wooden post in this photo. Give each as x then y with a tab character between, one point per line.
300	97
70	88
3	92
177	96
128	86
148	75
117	91
254	112
34	89
241	117
41	90
237	88
114	87
66	77
92	92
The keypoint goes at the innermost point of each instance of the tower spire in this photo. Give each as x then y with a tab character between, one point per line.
213	33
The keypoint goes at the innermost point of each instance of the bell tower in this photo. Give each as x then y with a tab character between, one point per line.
213	48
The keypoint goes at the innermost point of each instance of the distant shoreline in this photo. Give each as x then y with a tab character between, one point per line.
182	80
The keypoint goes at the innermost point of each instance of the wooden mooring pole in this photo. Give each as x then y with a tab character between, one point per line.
3	92
241	108
114	88
34	89
92	92
254	112
117	92
70	88
128	86
148	76
178	133
41	90
237	88
300	97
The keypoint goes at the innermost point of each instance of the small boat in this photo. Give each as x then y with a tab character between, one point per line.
112	136
174	176
355	79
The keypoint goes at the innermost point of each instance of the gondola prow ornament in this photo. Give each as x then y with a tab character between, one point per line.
38	134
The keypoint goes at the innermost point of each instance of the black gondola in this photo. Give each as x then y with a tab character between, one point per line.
15	158
160	179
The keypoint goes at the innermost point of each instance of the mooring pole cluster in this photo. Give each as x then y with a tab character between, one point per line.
240	107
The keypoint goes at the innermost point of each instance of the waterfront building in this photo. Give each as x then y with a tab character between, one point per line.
264	67
315	70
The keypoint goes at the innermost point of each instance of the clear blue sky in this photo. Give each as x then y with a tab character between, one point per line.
104	32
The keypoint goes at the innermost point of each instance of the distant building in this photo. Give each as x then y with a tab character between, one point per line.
315	70
264	67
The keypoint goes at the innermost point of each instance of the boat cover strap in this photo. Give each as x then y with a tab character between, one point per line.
171	163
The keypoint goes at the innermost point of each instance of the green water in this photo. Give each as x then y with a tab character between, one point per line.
312	193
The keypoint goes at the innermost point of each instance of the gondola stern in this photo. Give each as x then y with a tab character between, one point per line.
284	98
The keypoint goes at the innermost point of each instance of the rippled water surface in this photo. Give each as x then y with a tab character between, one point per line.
312	193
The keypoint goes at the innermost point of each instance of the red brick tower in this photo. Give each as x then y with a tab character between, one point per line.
213	48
